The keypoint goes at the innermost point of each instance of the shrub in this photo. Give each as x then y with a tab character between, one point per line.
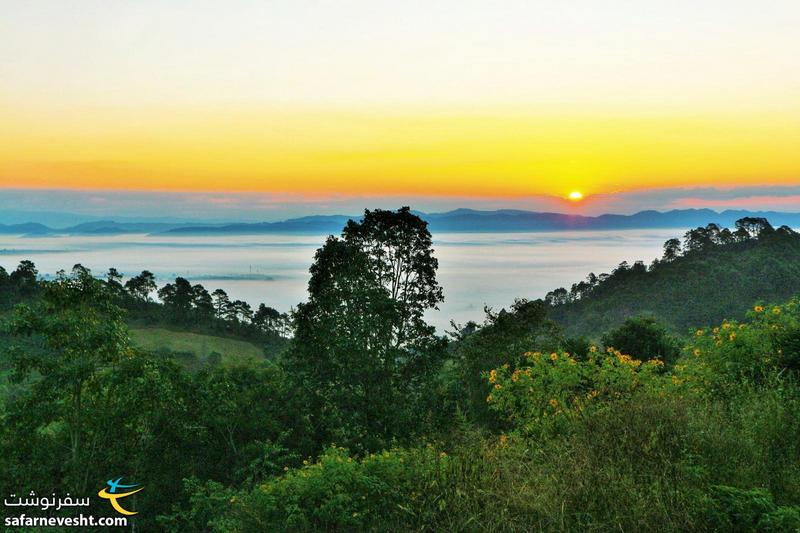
720	358
643	338
554	388
749	510
384	490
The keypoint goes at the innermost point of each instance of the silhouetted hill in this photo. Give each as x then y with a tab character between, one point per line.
712	281
29	228
311	224
458	220
508	220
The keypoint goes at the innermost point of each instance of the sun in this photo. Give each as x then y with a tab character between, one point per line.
576	196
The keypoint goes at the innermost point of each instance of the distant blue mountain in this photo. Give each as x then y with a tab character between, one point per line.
509	220
458	220
311	224
110	227
28	228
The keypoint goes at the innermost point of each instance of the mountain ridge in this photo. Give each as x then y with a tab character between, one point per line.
509	220
460	220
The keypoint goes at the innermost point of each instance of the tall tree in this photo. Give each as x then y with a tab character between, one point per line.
114	281
754	226
24	278
400	252
142	286
221	303
201	301
362	349
672	250
178	297
66	339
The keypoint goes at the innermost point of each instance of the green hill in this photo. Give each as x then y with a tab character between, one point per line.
713	274
201	346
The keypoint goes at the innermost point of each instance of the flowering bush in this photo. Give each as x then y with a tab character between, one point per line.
552	388
768	342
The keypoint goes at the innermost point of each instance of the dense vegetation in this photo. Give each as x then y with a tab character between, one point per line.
713	274
370	421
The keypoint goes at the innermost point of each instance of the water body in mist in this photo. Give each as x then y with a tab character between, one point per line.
475	269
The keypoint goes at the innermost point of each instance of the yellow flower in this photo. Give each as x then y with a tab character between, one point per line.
489	398
726	326
656	362
731	336
492	376
553	402
554	356
498	386
593	348
699	333
758	309
503	440
697	351
715	330
776	310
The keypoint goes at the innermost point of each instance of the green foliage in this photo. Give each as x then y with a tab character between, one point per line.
549	390
724	355
362	353
717	277
740	510
62	344
392	489
203	346
399	249
643	338
503	338
541	432
204	504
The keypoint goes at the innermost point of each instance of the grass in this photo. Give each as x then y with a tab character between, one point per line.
201	346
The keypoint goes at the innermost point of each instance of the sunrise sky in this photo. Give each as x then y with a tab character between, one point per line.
445	103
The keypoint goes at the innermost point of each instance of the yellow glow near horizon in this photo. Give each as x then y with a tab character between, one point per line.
356	152
576	196
415	98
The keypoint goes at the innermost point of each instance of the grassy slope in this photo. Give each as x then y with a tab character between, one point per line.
200	345
698	289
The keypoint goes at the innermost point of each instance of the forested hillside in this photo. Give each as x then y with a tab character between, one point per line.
367	420
713	273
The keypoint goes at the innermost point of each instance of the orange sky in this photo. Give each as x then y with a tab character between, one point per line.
482	154
357	98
